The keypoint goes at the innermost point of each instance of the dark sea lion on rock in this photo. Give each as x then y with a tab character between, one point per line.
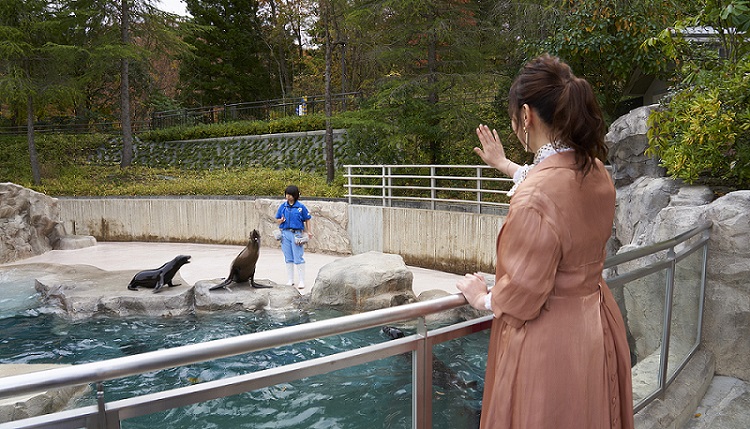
161	276
243	266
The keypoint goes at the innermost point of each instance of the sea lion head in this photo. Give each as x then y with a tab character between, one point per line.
182	260
254	239
393	332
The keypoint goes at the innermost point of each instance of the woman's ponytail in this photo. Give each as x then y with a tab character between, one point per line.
564	102
578	123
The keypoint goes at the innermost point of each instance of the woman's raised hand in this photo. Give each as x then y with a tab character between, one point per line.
492	151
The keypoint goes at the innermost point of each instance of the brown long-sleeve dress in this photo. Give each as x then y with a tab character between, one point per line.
558	355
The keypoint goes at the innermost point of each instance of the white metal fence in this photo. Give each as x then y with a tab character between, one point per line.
477	187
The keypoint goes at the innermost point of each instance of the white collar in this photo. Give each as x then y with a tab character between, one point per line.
543	153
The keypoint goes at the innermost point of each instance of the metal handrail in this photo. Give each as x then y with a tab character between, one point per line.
656	247
388	178
193	353
420	344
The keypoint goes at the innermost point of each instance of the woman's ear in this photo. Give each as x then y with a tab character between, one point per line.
527	115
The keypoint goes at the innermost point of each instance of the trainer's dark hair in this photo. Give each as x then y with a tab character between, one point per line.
293	191
566	103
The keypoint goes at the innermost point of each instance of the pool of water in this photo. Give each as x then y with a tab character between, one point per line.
376	395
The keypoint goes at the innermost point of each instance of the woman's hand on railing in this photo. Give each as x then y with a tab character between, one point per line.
474	288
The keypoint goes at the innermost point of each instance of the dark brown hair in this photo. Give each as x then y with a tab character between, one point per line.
293	191
567	105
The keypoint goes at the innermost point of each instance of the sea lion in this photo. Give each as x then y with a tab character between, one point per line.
243	266
393	332
442	375
161	276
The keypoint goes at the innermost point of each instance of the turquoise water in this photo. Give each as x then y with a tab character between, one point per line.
376	395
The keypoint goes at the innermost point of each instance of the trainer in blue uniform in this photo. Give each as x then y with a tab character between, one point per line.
294	222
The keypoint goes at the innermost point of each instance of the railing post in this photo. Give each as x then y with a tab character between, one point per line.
101	418
705	236
389	190
479	190
349	183
421	409
433	194
667	323
383	184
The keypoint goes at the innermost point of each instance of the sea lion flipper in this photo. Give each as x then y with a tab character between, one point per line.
223	284
260	286
159	284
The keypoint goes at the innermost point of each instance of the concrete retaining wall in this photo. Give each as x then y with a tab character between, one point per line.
447	241
454	242
305	150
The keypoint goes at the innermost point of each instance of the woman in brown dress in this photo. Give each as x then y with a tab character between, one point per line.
558	355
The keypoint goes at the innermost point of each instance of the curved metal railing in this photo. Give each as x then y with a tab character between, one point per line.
109	414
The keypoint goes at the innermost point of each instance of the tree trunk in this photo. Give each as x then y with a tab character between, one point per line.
343	75
328	108
35	172
127	130
433	98
432	67
278	37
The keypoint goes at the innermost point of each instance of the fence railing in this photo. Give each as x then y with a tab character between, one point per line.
669	264
77	128
667	259
428	186
255	110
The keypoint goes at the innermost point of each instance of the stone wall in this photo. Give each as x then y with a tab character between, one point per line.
303	150
29	223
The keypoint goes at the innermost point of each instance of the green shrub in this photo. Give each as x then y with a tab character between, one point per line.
286	124
56	152
141	181
703	131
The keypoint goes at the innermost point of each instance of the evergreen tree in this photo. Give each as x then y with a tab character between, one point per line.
34	66
230	61
117	37
426	54
285	23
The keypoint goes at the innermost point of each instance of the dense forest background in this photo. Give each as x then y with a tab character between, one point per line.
426	71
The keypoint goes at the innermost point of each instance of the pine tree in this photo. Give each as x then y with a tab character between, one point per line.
230	61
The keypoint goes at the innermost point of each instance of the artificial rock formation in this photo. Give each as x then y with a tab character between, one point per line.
363	282
82	291
29	223
651	209
628	141
244	297
50	401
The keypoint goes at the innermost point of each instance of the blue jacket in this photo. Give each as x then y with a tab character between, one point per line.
294	215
